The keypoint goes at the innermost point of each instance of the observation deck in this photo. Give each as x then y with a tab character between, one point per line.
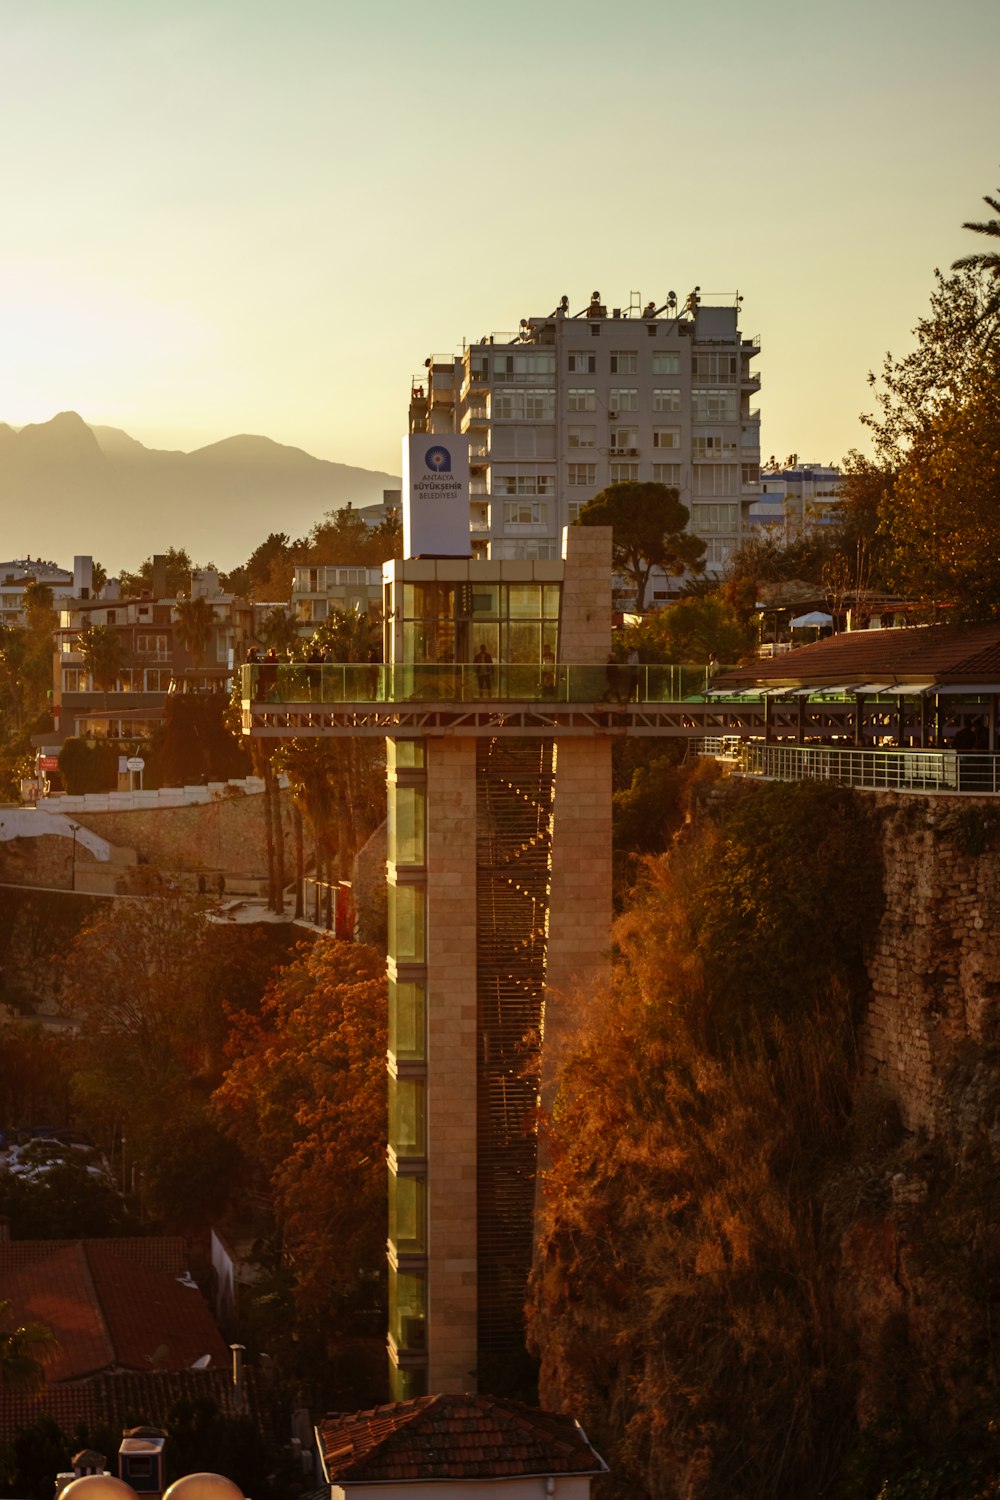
299	699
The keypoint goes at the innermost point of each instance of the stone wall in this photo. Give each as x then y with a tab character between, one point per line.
935	966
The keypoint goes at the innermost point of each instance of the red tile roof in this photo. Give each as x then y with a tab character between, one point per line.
107	1306
454	1437
127	1399
942	654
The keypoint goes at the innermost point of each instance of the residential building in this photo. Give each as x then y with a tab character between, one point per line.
797	499
154	660
15	577
573	402
319	590
462	1447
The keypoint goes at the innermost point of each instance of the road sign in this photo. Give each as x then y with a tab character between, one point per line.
135	763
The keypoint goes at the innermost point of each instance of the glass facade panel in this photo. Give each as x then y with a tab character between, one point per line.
408	1214
406	1021
406	755
524	600
406	1384
406	822
524	641
406	923
408	1309
407	1116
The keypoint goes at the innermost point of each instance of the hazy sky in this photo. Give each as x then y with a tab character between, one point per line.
228	216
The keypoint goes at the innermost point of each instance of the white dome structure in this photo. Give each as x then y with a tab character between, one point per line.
201	1487
102	1487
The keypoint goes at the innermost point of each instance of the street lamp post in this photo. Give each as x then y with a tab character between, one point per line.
75	829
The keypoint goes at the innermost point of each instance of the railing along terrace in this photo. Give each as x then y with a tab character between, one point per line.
878	770
379	682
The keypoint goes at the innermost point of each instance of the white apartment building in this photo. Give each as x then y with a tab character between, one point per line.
798	499
573	402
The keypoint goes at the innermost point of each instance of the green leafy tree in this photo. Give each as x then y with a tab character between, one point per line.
24	1352
306	1086
342	537
683	1299
694	629
142	986
178	574
941	520
648	524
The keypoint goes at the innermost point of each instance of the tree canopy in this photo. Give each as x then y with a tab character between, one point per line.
648	524
307	1086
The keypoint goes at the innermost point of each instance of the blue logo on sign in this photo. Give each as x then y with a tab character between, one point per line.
438	459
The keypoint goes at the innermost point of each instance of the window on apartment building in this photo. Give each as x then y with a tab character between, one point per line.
714	520
624	473
719	369
666	362
75	680
714	479
581	398
718	550
157	679
666	399
623	398
581	475
527	364
714	406
157	646
581	435
715	445
573	509
408	1213
524	484
524	512
624	361
625	437
579	363
666	437
667	474
523	405
750	473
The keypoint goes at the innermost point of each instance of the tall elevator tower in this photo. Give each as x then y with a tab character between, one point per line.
499	902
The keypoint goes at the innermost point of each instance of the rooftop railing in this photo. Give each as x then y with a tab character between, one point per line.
891	770
349	682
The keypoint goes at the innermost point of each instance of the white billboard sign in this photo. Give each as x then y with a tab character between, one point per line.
436	495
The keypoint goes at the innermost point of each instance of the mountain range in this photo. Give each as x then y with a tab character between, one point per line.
68	488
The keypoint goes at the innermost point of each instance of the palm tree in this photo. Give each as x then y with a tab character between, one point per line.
987	261
24	1352
101	649
194	622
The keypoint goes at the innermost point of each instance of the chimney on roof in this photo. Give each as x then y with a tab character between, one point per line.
159	575
239	1390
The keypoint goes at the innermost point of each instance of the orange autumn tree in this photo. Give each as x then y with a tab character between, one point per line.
305	1093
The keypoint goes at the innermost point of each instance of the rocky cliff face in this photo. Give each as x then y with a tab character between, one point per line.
921	1257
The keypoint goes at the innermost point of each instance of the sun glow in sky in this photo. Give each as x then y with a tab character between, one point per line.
229	216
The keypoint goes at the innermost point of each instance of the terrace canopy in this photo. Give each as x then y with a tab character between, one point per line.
916	685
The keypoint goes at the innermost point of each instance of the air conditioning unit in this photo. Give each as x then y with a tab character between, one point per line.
633	453
613	415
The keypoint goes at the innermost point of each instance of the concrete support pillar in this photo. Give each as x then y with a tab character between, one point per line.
580	901
451	1064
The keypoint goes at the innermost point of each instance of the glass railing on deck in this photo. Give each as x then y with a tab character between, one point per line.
518	682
